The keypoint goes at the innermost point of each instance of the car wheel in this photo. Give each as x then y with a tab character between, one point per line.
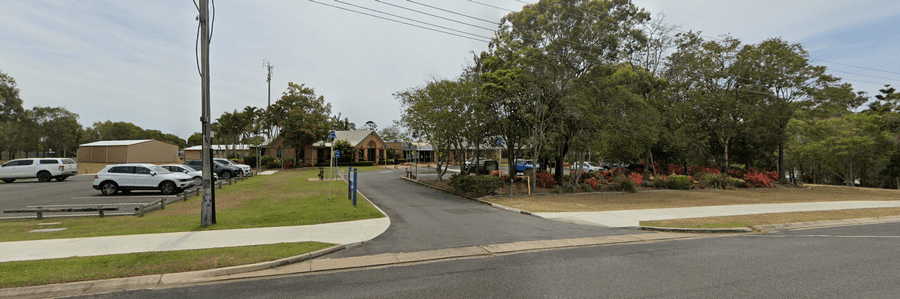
9	180
44	176
168	188
198	181
61	178
108	188
226	175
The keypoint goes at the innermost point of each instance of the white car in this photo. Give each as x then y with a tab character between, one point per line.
196	175
44	169
246	169
127	177
588	167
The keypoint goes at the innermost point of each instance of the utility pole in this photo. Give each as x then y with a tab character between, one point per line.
269	80
207	205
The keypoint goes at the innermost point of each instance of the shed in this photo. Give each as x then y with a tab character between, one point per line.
219	151
128	151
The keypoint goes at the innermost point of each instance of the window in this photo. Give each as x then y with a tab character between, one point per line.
121	169
141	170
25	162
68	161
49	161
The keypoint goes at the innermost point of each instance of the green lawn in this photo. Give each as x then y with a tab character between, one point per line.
27	273
286	198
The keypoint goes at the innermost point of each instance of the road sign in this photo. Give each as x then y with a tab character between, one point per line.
337	154
499	140
332	135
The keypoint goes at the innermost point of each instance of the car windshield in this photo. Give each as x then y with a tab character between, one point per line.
592	164
159	170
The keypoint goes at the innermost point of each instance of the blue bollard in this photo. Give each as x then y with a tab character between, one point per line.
354	187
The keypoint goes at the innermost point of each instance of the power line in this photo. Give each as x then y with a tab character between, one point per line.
890	79
488	5
433	15
453	12
401	22
862	67
405	18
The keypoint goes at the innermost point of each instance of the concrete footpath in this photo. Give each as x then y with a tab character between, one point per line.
632	218
337	233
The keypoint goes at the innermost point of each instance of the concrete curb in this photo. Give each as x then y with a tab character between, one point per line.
274	264
478	200
827	223
698	230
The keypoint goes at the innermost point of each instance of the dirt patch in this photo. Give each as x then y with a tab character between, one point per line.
656	199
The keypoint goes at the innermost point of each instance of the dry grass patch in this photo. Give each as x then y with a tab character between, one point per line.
692	198
775	218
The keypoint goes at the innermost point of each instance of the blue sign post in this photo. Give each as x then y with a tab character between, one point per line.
349	183
354	187
337	154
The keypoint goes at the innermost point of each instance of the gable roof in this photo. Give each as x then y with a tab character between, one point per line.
116	142
221	147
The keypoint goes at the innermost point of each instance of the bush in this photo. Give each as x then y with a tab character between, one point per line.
265	160
758	180
622	183
250	160
288	160
593	183
545	180
272	165
400	161
232	156
587	187
236	160
636	177
716	180
288	165
478	185
680	182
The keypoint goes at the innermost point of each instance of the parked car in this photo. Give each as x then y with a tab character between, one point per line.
587	167
246	169
196	175
222	170
525	165
44	169
484	165
128	177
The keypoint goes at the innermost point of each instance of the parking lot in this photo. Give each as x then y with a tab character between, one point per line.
74	192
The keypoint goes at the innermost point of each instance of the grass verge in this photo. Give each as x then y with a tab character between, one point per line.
28	273
286	198
774	218
588	202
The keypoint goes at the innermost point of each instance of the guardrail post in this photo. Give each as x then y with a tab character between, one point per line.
40	214
162	203
100	209
140	211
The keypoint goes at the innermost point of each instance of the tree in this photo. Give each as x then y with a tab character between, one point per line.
305	117
370	125
58	129
394	132
195	139
562	41
11	116
342	124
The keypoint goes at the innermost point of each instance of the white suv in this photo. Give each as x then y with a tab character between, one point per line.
127	177
44	169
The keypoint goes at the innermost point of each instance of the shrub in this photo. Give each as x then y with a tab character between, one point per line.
288	160
716	180
265	160
232	156
622	183
657	182
679	182
587	187
399	161
675	169
272	165
637	178
545	180
250	160
593	183
758	180
288	165
478	185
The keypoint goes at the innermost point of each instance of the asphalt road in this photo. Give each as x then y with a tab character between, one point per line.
846	262
425	219
73	192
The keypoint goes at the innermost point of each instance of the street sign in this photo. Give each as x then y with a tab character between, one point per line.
332	135
499	140
337	154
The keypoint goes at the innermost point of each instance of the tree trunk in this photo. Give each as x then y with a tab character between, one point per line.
781	162
647	165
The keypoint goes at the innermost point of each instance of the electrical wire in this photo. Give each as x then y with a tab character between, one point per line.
401	22
488	5
433	15
456	13
197	41
212	22
408	19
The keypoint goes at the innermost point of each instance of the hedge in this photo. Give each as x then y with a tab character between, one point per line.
477	185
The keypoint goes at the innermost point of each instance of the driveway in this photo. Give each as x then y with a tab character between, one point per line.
425	219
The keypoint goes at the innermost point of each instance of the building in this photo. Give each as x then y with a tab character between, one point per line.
371	148
128	151
219	151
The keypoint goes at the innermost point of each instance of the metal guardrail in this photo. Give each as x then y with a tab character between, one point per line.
40	211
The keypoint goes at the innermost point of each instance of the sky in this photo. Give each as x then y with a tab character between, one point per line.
135	61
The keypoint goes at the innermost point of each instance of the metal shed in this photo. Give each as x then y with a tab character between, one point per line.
128	151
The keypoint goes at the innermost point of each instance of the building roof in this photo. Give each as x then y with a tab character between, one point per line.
116	142
221	147
354	137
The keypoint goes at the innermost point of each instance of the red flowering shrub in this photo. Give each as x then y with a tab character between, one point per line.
736	173
595	184
758	180
637	178
773	175
697	169
288	165
545	180
675	169
495	173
